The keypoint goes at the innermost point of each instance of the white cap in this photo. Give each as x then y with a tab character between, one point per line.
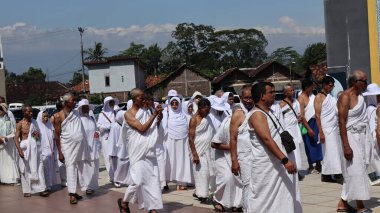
172	93
372	89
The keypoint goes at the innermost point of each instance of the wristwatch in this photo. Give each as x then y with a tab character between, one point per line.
284	161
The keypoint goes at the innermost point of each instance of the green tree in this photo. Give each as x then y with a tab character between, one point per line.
151	56
313	54
77	78
95	54
35	75
171	58
240	47
133	50
288	57
192	39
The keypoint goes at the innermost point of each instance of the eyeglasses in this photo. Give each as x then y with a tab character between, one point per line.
174	103
364	81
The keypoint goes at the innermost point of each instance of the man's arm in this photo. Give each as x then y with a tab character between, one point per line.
220	146
318	110
378	126
259	122
343	107
301	100
192	127
141	128
57	134
236	120
17	140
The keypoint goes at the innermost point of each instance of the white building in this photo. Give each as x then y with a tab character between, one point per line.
116	76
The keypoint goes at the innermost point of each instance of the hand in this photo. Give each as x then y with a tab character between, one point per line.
299	118
321	137
235	168
290	167
159	117
96	135
21	153
310	133
158	110
196	159
61	157
348	154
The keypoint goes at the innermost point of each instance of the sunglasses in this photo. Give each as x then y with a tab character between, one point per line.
364	81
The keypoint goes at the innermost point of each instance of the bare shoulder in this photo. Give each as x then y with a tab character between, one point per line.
282	104
344	97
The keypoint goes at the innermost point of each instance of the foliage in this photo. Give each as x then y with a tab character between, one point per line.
95	54
32	75
313	54
133	50
96	99
77	78
288	57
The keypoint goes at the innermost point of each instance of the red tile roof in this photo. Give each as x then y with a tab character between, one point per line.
79	87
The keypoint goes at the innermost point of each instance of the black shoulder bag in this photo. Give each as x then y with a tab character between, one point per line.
286	137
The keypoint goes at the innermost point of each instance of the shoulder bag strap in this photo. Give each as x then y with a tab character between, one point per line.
291	107
107	117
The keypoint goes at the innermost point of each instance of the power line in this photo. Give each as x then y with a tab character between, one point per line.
64	63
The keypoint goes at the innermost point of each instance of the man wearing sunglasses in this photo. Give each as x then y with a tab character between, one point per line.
355	136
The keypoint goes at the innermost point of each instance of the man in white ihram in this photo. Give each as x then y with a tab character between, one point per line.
143	180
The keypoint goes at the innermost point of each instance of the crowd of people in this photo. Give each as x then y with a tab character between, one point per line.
240	156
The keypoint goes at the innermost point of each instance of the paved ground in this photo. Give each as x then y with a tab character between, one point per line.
316	197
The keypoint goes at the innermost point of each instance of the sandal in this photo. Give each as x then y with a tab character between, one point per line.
44	194
216	205
27	195
122	209
89	192
78	197
72	199
347	209
181	188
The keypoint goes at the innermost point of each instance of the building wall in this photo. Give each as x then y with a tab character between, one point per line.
186	84
346	23
2	83
121	74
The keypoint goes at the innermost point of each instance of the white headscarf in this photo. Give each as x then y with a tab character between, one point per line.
177	121
106	106
47	131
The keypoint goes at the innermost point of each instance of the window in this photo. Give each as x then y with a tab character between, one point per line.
107	80
122	78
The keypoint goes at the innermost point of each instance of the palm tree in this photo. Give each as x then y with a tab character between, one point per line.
96	54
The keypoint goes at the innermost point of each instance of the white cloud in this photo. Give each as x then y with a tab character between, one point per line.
290	26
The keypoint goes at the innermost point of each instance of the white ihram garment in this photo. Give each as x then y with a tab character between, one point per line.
356	181
9	172
90	174
121	171
143	177
204	170
228	186
175	129
105	120
49	152
292	126
332	148
31	166
271	186
74	147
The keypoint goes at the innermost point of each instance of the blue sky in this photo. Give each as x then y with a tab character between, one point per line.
43	33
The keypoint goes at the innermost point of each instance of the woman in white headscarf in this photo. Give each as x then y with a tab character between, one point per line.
105	119
195	99
187	107
9	172
48	148
90	170
175	124
373	100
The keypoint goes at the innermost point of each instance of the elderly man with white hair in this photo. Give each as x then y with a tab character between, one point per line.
71	142
89	171
105	120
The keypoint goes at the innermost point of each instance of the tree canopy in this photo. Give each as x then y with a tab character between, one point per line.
95	54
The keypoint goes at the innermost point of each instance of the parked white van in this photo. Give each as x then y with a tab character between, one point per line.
13	106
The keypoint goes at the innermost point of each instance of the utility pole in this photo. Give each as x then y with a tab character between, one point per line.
81	30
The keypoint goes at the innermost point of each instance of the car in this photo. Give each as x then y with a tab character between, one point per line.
13	106
17	113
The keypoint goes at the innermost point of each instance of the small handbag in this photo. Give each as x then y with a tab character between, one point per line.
302	127
286	137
